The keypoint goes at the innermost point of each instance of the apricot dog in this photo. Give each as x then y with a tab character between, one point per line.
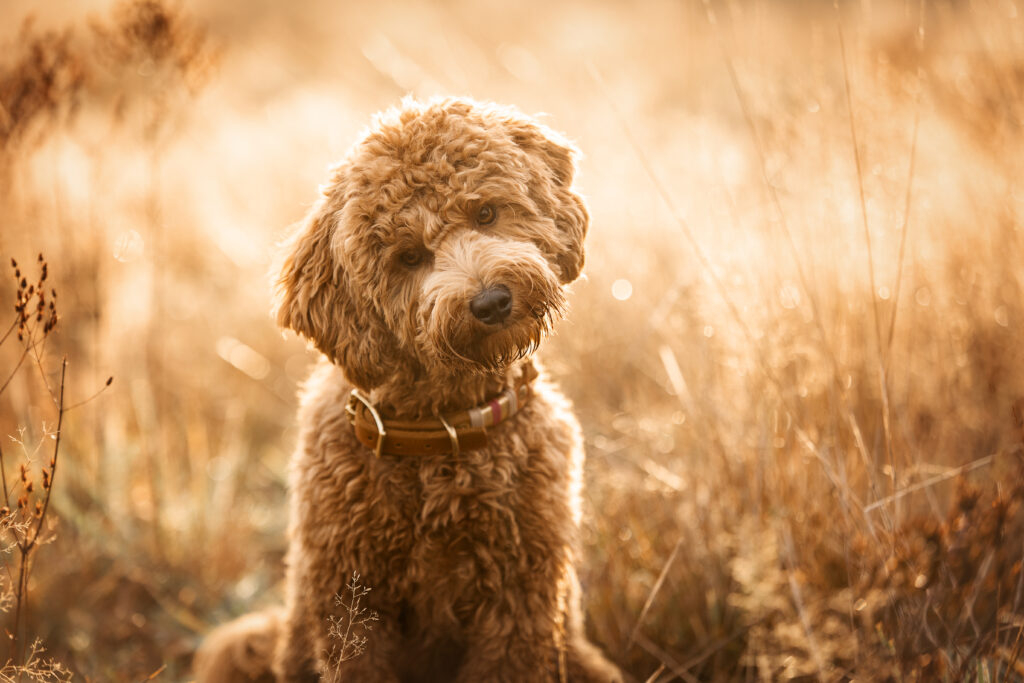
433	458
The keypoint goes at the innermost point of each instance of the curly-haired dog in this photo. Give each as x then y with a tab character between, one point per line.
427	274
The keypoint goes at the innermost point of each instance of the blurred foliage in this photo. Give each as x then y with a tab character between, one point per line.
802	460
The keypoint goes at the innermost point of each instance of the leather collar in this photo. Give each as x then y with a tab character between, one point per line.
445	434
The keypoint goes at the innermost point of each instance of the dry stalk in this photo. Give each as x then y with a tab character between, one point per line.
25	506
348	630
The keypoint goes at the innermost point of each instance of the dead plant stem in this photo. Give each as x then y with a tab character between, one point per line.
883	383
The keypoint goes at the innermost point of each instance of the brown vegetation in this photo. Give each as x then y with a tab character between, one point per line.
795	357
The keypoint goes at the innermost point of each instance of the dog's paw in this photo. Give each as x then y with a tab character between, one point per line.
240	651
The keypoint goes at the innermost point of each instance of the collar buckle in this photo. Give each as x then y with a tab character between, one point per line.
452	434
351	408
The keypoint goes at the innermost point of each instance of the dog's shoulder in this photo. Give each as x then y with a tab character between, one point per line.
549	405
323	419
325	386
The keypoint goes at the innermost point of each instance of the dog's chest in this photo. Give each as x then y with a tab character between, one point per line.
455	498
441	532
459	521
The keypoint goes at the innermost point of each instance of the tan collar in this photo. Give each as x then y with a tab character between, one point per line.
452	433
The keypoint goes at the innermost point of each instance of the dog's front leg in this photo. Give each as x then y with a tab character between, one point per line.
293	662
309	651
295	659
515	636
535	633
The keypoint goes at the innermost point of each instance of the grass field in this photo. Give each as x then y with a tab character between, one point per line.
796	353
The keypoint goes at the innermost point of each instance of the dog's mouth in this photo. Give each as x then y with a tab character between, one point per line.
469	345
515	339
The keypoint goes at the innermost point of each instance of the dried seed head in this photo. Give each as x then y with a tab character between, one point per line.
5	511
110	381
22	502
39	509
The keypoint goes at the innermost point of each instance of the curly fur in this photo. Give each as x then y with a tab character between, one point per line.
471	559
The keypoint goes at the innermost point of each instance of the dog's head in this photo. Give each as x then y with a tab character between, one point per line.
444	238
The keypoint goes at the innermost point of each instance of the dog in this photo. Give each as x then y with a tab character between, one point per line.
435	460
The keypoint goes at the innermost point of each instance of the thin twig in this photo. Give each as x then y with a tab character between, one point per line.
657	672
38	350
9	330
71	407
3	477
665	658
718	645
1014	654
156	673
56	451
910	184
28	544
654	592
24	354
17	643
882	381
860	176
931	481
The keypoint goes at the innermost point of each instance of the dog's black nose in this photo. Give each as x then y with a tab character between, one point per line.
492	305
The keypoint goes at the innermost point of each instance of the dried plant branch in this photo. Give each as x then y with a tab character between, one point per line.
53	459
931	481
349	629
654	592
26	524
14	326
876	317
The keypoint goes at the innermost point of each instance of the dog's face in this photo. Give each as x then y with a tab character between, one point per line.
444	238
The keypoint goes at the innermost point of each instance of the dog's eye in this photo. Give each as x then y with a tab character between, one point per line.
486	215
411	257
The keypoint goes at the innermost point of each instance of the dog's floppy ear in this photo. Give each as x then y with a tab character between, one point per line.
316	299
557	157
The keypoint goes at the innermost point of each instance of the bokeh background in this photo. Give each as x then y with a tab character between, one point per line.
795	355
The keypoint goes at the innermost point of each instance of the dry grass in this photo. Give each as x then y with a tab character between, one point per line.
795	356
349	631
